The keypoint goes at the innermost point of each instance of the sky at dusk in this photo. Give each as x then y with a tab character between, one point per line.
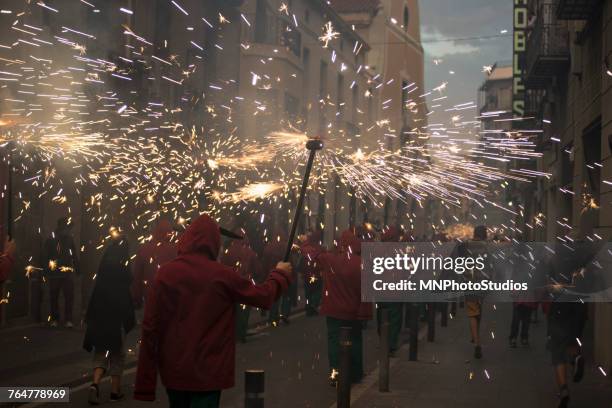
444	19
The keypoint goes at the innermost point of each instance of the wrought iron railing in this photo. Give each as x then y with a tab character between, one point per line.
548	37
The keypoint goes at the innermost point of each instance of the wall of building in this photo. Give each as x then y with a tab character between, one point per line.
576	143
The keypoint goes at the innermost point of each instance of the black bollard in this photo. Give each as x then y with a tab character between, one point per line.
444	316
383	372
454	308
414	331
254	389
344	371
431	322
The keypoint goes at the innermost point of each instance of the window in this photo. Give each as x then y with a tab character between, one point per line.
322	95
261	21
355	103
405	96
591	144
291	107
322	79
291	38
162	23
340	103
406	18
306	94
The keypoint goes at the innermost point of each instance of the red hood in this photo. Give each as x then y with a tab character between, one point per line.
391	234
202	236
349	239
162	231
314	237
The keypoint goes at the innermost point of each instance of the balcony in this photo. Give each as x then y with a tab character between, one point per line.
274	30
576	9
534	103
548	53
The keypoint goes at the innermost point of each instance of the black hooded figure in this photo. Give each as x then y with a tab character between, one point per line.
110	315
60	265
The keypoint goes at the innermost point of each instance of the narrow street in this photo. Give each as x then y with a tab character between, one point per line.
295	362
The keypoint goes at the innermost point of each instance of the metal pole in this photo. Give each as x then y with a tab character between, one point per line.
312	145
454	307
383	372
344	371
414	331
431	322
254	388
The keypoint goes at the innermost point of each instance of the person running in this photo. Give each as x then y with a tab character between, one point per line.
110	316
150	257
567	312
188	330
241	257
61	265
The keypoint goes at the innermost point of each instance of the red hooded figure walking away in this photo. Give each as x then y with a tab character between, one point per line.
243	260
311	249
188	330
342	304
149	258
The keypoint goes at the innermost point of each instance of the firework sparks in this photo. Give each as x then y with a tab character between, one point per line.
328	34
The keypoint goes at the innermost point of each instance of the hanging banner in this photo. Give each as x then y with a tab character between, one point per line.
520	21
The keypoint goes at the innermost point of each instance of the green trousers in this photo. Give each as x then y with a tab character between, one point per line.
312	292
194	399
280	308
333	346
242	322
395	322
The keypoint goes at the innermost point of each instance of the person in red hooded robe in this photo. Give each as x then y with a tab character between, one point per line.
310	250
149	258
188	332
240	256
342	304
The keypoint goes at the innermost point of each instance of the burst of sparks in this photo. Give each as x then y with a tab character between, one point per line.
328	34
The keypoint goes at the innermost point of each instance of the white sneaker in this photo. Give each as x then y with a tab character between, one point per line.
69	325
53	323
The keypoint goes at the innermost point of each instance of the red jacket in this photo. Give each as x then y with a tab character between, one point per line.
342	281
274	251
311	250
6	264
390	234
150	257
188	328
242	259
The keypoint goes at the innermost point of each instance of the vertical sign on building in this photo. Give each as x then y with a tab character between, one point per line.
520	21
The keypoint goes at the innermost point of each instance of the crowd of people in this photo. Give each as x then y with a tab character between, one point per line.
198	291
